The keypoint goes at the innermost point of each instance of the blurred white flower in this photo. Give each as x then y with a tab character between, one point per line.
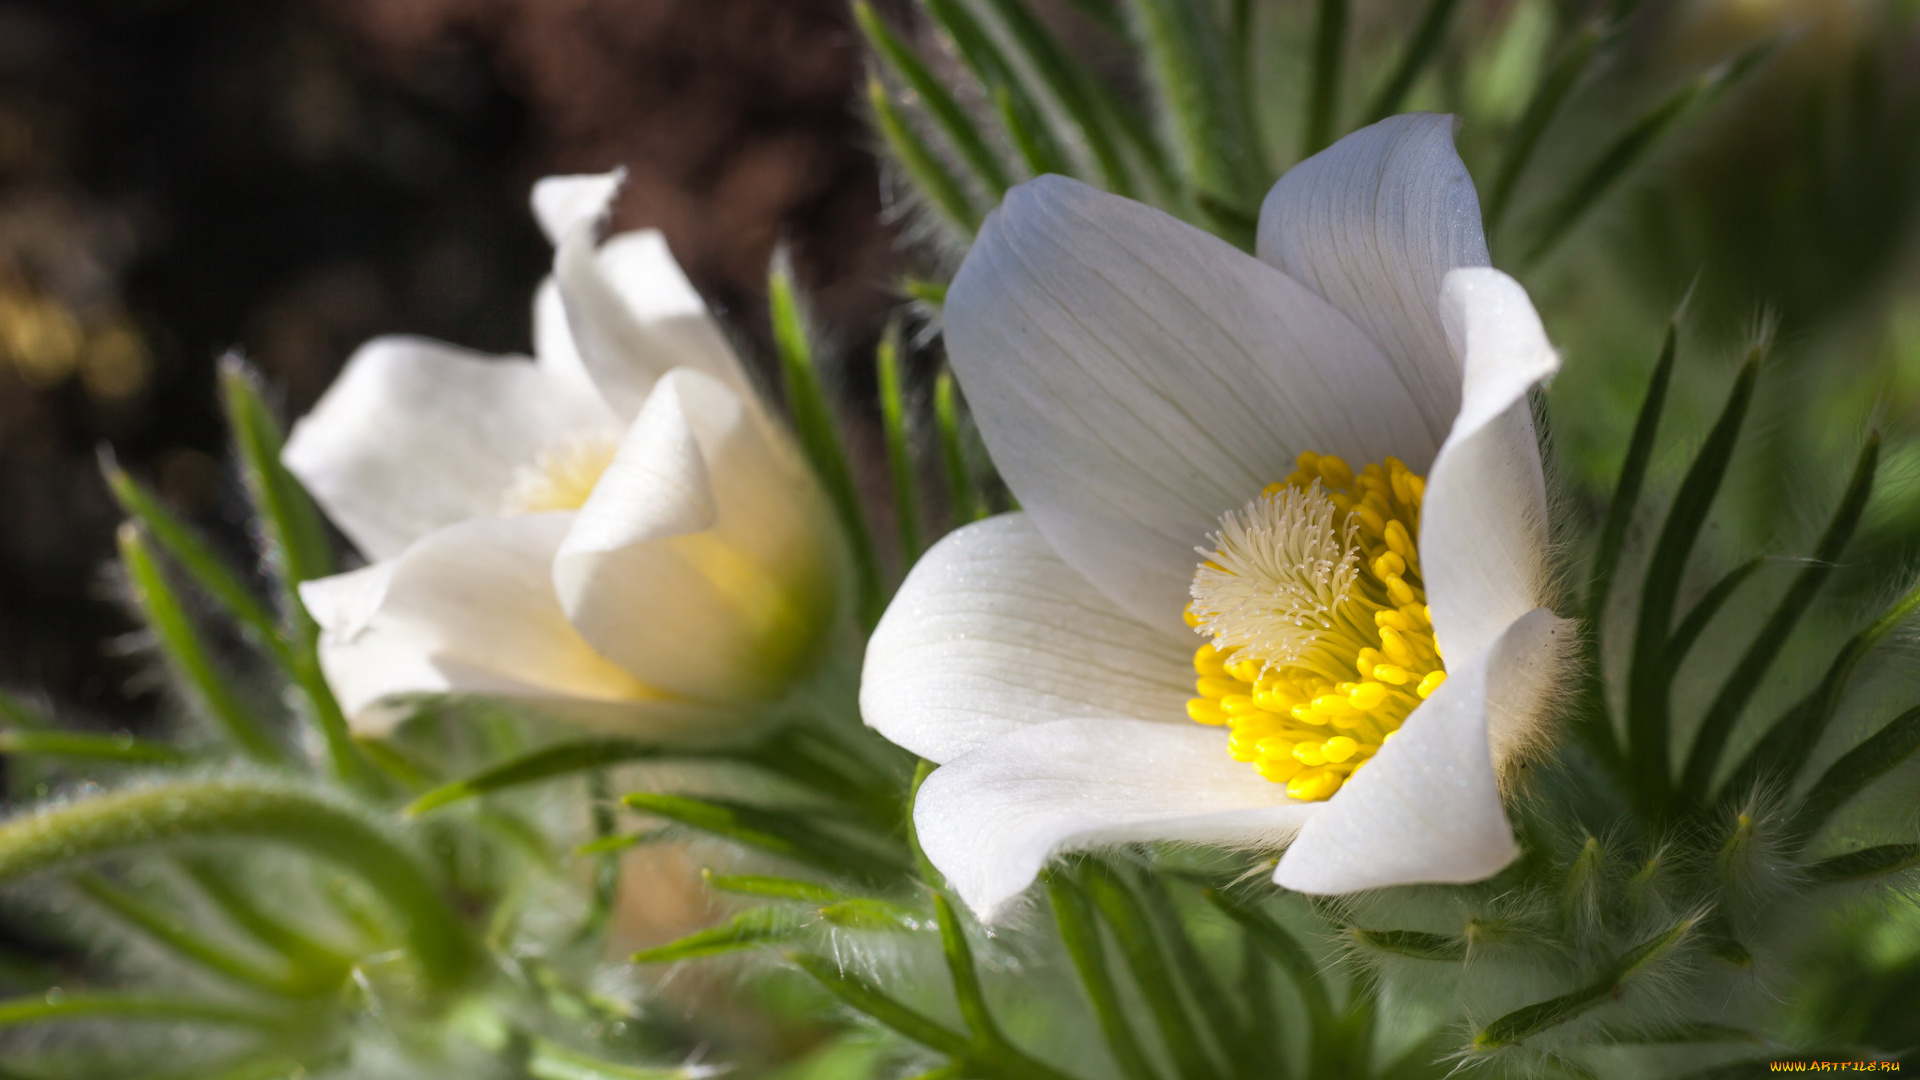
1322	458
616	529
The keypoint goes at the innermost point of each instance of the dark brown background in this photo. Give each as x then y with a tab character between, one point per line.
291	177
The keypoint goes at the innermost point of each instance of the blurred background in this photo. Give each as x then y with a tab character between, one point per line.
291	177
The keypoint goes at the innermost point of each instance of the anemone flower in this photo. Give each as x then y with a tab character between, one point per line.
615	530
1280	575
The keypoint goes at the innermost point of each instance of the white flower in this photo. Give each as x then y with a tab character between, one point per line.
1159	403
616	530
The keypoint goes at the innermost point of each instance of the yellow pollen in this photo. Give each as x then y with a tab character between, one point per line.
562	477
1320	643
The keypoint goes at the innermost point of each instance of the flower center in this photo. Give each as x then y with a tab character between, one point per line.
562	476
1321	641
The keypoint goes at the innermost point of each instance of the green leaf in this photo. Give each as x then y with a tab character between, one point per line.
16	713
1081	935
123	749
813	421
1703	611
1627	151
868	913
781	832
617	842
1220	1013
192	554
1425	45
1648	676
1783	751
931	293
1284	949
1865	864
893	427
1079	96
1212	132
1849	776
862	996
183	647
777	888
1329	52
935	182
1545	104
1533	1019
296	550
1747	675
200	810
961	493
548	1060
176	937
1025	120
324	962
1417	944
1152	975
952	120
752	929
162	1008
546	763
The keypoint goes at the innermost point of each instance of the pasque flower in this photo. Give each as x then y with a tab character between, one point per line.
615	529
1295	498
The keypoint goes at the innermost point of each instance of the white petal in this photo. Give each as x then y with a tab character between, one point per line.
553	346
1483	524
633	315
1427	808
1135	377
991	819
703	562
415	435
564	203
992	632
466	609
1373	223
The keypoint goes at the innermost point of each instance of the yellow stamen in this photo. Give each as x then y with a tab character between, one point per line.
1320	643
561	478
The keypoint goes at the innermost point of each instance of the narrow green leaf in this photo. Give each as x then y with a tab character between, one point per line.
1427	39
1783	751
124	749
1746	676
931	293
1329	54
1213	134
177	636
176	937
548	1060
162	1008
1417	944
893	426
751	929
1152	975
780	832
1703	611
199	810
866	998
546	763
974	1010
324	962
1533	1019
1220	1013
929	175
192	554
1880	754
1627	151
868	913
777	888
1633	475
297	548
1647	694
1285	950
1865	864
961	492
813	421
407	773
1079	96
952	120
1081	935
1545	104
1025	120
